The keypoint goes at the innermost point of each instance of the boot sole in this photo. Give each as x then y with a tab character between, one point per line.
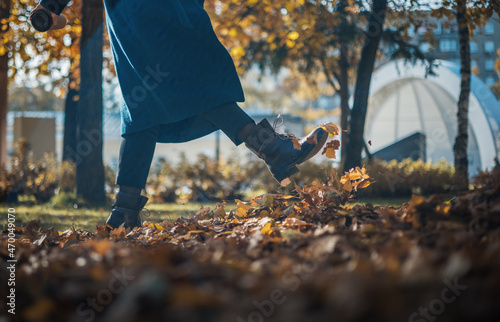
318	147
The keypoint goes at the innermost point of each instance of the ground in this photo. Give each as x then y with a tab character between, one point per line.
308	256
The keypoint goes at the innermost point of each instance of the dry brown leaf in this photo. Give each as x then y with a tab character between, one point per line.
331	128
330	149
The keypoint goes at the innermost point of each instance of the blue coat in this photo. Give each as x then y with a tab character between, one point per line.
170	65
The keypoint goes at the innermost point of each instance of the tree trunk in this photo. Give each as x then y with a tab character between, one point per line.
365	70
460	147
344	101
70	123
4	83
90	169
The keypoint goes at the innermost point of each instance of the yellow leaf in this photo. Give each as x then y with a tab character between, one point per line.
240	212
354	174
330	149
160	228
290	43
330	153
293	35
331	128
266	230
237	51
242	208
233	32
364	184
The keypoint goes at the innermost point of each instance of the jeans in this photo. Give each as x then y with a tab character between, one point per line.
137	149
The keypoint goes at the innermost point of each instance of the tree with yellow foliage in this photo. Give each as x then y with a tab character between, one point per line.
27	55
313	37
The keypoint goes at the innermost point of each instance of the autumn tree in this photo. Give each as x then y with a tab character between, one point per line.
45	59
36	59
314	37
469	15
309	37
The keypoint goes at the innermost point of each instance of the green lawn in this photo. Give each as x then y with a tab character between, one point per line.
88	218
393	202
63	218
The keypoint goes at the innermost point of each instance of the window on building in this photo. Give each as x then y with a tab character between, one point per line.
448	45
438	29
489	64
489	47
422	30
473	47
489	29
490	81
425	47
474	67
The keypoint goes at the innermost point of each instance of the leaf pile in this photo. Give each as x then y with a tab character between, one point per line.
303	257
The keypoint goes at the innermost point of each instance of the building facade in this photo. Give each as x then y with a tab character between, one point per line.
484	44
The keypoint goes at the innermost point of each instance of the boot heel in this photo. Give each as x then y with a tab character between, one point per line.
283	176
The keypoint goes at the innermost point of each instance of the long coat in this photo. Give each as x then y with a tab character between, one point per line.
170	65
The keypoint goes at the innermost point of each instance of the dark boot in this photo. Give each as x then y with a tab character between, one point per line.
278	152
126	210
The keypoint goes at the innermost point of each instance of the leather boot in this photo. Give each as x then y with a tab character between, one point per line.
278	151
126	210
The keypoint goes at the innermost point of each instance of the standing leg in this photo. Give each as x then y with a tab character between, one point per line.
136	154
277	150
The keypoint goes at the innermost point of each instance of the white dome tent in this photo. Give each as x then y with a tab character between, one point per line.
403	101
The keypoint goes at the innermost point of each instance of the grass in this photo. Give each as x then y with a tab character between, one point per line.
89	218
387	202
63	217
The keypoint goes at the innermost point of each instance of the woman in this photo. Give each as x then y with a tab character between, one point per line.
179	83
